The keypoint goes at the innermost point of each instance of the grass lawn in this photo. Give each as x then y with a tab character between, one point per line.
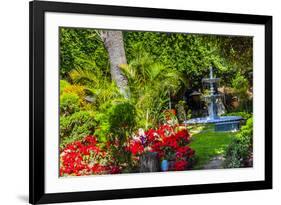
207	143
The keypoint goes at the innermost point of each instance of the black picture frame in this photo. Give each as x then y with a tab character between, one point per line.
37	10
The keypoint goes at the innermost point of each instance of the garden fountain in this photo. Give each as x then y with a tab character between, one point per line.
222	123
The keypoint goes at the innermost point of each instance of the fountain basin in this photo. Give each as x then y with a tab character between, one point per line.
222	123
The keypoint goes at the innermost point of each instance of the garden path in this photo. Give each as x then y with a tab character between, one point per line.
215	163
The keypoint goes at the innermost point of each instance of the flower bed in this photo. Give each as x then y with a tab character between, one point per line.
88	156
85	157
170	143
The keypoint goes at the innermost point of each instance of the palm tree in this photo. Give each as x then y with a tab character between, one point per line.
99	86
151	85
113	42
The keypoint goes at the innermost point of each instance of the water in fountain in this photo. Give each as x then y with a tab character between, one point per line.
222	123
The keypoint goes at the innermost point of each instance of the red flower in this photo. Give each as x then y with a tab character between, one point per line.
115	170
136	147
182	134
75	158
151	135
91	140
98	169
180	165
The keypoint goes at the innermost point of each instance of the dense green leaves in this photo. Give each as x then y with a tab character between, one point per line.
151	86
193	54
239	152
69	103
81	48
76	126
161	67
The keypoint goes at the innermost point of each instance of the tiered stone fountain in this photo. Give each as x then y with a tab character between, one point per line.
222	123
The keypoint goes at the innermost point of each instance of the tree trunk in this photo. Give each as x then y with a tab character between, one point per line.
113	42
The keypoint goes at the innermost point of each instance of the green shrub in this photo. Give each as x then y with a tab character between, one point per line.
122	118
102	131
76	126
122	121
63	84
240	84
69	103
117	121
116	124
245	115
239	152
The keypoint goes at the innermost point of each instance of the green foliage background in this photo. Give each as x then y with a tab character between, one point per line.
160	65
190	54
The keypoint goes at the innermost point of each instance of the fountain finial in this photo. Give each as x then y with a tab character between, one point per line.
211	72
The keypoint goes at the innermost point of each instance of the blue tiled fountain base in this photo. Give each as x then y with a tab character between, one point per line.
227	126
222	124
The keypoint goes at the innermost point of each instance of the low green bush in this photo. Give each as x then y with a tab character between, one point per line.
122	120
69	103
76	126
239	152
63	84
245	115
116	121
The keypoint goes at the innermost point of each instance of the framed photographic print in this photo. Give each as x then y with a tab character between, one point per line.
140	102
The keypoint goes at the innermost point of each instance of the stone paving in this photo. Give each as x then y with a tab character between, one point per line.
215	163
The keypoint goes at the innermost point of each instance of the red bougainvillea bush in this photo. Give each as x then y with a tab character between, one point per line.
88	156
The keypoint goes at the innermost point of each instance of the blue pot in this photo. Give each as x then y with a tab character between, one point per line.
164	165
